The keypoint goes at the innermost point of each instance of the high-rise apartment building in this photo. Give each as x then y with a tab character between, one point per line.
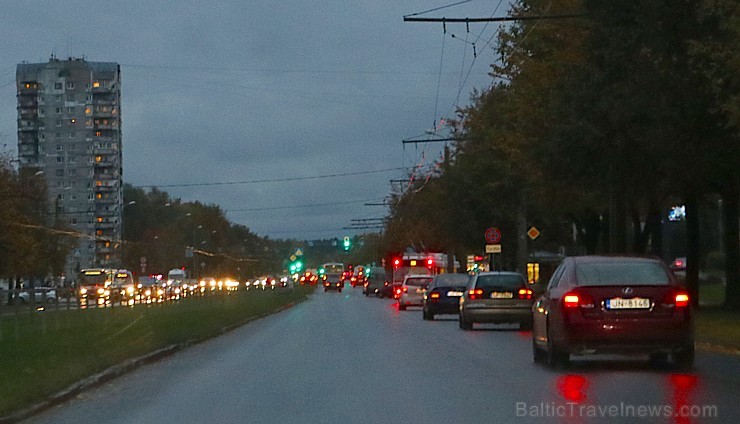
69	127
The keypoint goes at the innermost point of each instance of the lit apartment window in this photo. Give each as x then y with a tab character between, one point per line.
98	232
98	183
98	133
98	158
96	84
100	219
88	110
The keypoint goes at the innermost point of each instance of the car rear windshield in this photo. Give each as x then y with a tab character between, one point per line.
504	280
451	280
621	273
421	282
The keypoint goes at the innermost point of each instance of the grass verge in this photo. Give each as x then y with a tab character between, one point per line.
718	330
47	352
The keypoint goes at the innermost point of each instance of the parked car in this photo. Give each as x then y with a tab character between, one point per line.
496	297
412	290
443	295
597	304
376	282
40	295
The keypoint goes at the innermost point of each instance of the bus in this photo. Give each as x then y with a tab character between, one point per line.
332	268
101	283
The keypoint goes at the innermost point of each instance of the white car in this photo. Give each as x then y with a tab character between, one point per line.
39	294
412	290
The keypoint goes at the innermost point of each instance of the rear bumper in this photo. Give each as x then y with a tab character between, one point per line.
497	315
410	300
626	336
442	307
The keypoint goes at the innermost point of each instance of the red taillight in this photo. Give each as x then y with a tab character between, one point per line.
405	289
573	300
678	263
474	294
682	300
525	294
326	284
398	290
434	296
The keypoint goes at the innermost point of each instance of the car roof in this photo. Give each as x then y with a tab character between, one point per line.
613	259
499	273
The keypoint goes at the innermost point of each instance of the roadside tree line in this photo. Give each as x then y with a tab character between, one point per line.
592	128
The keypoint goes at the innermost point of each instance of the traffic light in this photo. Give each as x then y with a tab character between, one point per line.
346	244
396	262
430	263
296	266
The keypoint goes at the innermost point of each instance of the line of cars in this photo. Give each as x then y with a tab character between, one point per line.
591	305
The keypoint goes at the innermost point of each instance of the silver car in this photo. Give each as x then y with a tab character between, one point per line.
412	290
41	295
496	297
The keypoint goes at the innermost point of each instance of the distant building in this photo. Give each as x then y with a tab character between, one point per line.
69	127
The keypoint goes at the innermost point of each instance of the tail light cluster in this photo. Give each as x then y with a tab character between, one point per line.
525	293
405	289
678	300
474	294
434	296
578	300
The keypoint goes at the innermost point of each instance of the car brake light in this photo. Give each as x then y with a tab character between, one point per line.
398	290
525	294
434	296
572	300
475	294
682	300
405	289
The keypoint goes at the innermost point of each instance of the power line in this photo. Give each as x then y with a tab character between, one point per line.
274	180
269	208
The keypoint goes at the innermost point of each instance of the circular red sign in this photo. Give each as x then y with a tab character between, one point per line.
493	235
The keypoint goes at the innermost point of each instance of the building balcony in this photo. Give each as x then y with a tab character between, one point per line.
104	151
106	201
105	225
104	164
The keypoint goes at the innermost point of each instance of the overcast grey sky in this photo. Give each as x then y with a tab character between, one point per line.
235	91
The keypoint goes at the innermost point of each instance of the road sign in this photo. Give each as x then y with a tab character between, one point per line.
493	235
533	232
293	258
493	248
299	252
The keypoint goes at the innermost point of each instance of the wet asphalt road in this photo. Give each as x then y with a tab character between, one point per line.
344	358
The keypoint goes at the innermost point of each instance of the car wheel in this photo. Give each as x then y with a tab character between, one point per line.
427	315
684	358
464	324
539	355
556	357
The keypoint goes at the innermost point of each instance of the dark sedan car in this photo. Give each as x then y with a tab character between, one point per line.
333	282
597	304
496	297
443	295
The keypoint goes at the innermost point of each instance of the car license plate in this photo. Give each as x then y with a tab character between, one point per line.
454	294
502	295
633	303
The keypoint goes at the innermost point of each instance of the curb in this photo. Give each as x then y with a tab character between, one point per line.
126	367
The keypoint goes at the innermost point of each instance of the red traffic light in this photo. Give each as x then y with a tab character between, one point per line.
396	262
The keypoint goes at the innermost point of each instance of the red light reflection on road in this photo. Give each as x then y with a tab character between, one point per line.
573	387
684	386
